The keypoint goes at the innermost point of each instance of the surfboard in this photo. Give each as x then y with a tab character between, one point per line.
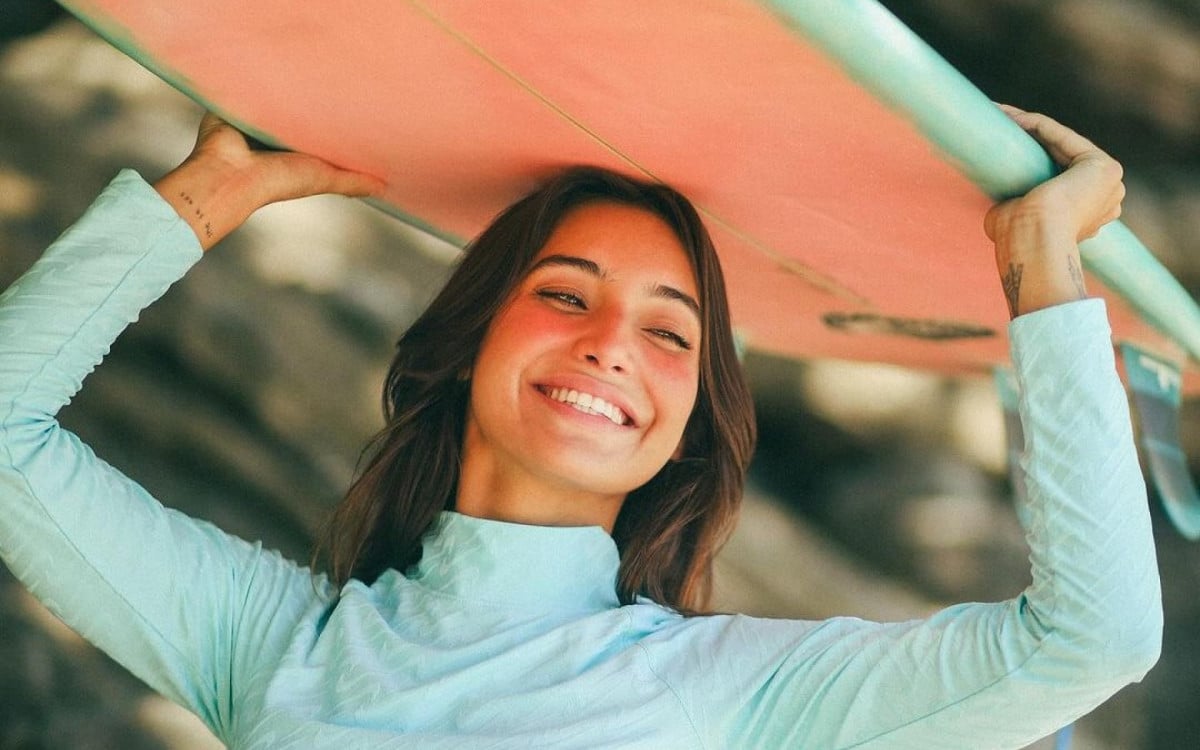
841	165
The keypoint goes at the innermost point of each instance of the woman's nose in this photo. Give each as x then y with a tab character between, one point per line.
606	343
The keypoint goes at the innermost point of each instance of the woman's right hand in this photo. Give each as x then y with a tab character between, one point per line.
223	180
1037	235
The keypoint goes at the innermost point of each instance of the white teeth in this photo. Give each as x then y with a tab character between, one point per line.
588	404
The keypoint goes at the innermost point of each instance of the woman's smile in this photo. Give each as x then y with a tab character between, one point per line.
588	374
587	403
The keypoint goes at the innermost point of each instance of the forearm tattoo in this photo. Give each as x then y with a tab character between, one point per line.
1076	275
199	214
1012	286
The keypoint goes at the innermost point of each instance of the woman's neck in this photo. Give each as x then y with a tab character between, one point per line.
488	489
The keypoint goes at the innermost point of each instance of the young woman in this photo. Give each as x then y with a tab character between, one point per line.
523	561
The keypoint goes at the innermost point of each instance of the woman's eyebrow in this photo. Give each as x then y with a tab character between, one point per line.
670	292
592	268
583	264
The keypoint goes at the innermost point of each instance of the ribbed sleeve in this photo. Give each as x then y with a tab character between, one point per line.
974	675
158	591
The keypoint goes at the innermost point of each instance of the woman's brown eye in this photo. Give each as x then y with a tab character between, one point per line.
566	298
673	337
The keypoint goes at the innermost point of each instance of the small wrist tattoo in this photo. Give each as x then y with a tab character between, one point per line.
1012	286
200	215
1076	275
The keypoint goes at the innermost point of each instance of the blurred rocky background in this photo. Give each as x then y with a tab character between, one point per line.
245	395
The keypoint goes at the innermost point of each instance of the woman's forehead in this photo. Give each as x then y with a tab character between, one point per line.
622	239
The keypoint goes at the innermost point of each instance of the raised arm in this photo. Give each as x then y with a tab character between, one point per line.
174	600
984	675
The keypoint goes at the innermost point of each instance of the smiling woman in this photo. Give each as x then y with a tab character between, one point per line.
596	325
597	284
525	557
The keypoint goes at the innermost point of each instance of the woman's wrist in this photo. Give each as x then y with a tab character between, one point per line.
1038	262
210	195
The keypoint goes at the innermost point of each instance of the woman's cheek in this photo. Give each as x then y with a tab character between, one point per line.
526	321
677	373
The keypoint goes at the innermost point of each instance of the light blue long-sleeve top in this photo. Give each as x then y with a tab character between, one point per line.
511	636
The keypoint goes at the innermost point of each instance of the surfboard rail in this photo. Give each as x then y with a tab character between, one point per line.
886	57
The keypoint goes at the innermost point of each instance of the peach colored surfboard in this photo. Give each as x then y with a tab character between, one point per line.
842	167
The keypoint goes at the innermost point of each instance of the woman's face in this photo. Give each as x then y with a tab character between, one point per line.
586	378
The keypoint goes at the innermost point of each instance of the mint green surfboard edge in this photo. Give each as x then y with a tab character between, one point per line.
117	38
885	57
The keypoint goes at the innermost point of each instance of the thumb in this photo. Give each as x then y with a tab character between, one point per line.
298	175
357	184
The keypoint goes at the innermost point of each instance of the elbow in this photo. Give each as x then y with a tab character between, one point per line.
1137	655
1124	653
1137	635
1106	650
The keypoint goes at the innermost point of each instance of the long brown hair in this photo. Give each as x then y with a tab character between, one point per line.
668	530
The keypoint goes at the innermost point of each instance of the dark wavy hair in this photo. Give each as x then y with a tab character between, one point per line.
668	530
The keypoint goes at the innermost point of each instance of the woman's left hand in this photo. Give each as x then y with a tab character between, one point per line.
1037	235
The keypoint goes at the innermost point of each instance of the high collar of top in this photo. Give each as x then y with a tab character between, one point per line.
509	564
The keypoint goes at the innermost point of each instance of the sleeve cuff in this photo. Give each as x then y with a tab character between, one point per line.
130	191
1059	338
